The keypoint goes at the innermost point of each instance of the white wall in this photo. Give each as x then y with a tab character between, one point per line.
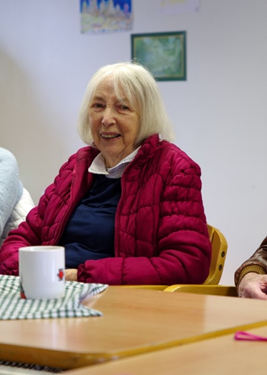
219	112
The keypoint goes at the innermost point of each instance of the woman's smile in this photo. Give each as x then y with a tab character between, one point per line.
109	136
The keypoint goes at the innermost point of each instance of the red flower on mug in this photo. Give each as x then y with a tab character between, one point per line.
60	274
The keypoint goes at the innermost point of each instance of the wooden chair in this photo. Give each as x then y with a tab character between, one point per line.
210	285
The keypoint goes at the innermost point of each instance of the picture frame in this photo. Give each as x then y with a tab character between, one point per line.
163	54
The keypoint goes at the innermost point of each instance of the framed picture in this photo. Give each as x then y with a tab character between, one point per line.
163	54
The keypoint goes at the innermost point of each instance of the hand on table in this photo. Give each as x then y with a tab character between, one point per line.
253	285
71	274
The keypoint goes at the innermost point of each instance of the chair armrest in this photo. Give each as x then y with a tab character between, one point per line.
218	290
154	287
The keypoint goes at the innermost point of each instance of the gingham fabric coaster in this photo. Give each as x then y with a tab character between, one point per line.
14	307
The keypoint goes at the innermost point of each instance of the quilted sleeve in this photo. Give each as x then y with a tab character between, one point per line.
183	241
19	213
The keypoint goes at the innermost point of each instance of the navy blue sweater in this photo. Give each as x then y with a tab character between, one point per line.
89	233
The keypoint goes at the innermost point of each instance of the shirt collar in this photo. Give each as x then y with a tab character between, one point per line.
98	165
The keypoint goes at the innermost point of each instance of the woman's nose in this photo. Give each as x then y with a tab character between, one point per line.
108	117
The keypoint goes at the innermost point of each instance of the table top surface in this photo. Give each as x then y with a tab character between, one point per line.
134	321
221	356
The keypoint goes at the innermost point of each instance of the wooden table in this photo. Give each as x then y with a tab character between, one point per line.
221	356
135	321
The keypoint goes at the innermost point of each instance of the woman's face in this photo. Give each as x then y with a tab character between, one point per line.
114	125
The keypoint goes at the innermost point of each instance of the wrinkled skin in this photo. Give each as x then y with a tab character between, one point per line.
253	285
71	274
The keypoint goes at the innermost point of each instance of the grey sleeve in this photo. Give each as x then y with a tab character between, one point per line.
10	185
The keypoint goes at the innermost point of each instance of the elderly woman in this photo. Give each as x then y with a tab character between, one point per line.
128	208
251	276
15	200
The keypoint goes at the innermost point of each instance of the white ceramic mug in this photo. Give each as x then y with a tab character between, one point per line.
41	272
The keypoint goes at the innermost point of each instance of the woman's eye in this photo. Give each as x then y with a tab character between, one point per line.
97	105
124	107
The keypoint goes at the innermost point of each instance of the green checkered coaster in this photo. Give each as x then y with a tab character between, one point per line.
69	306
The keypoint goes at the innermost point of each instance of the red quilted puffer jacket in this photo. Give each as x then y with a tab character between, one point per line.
160	227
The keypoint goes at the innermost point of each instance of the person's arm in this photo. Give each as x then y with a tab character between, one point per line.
9	185
257	263
183	245
250	277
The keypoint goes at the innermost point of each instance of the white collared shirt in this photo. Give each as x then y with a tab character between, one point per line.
98	165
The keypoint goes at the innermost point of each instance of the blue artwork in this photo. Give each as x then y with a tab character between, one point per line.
98	16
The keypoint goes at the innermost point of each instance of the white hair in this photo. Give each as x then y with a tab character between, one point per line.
135	83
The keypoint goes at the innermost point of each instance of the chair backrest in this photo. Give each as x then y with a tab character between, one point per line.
219	250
